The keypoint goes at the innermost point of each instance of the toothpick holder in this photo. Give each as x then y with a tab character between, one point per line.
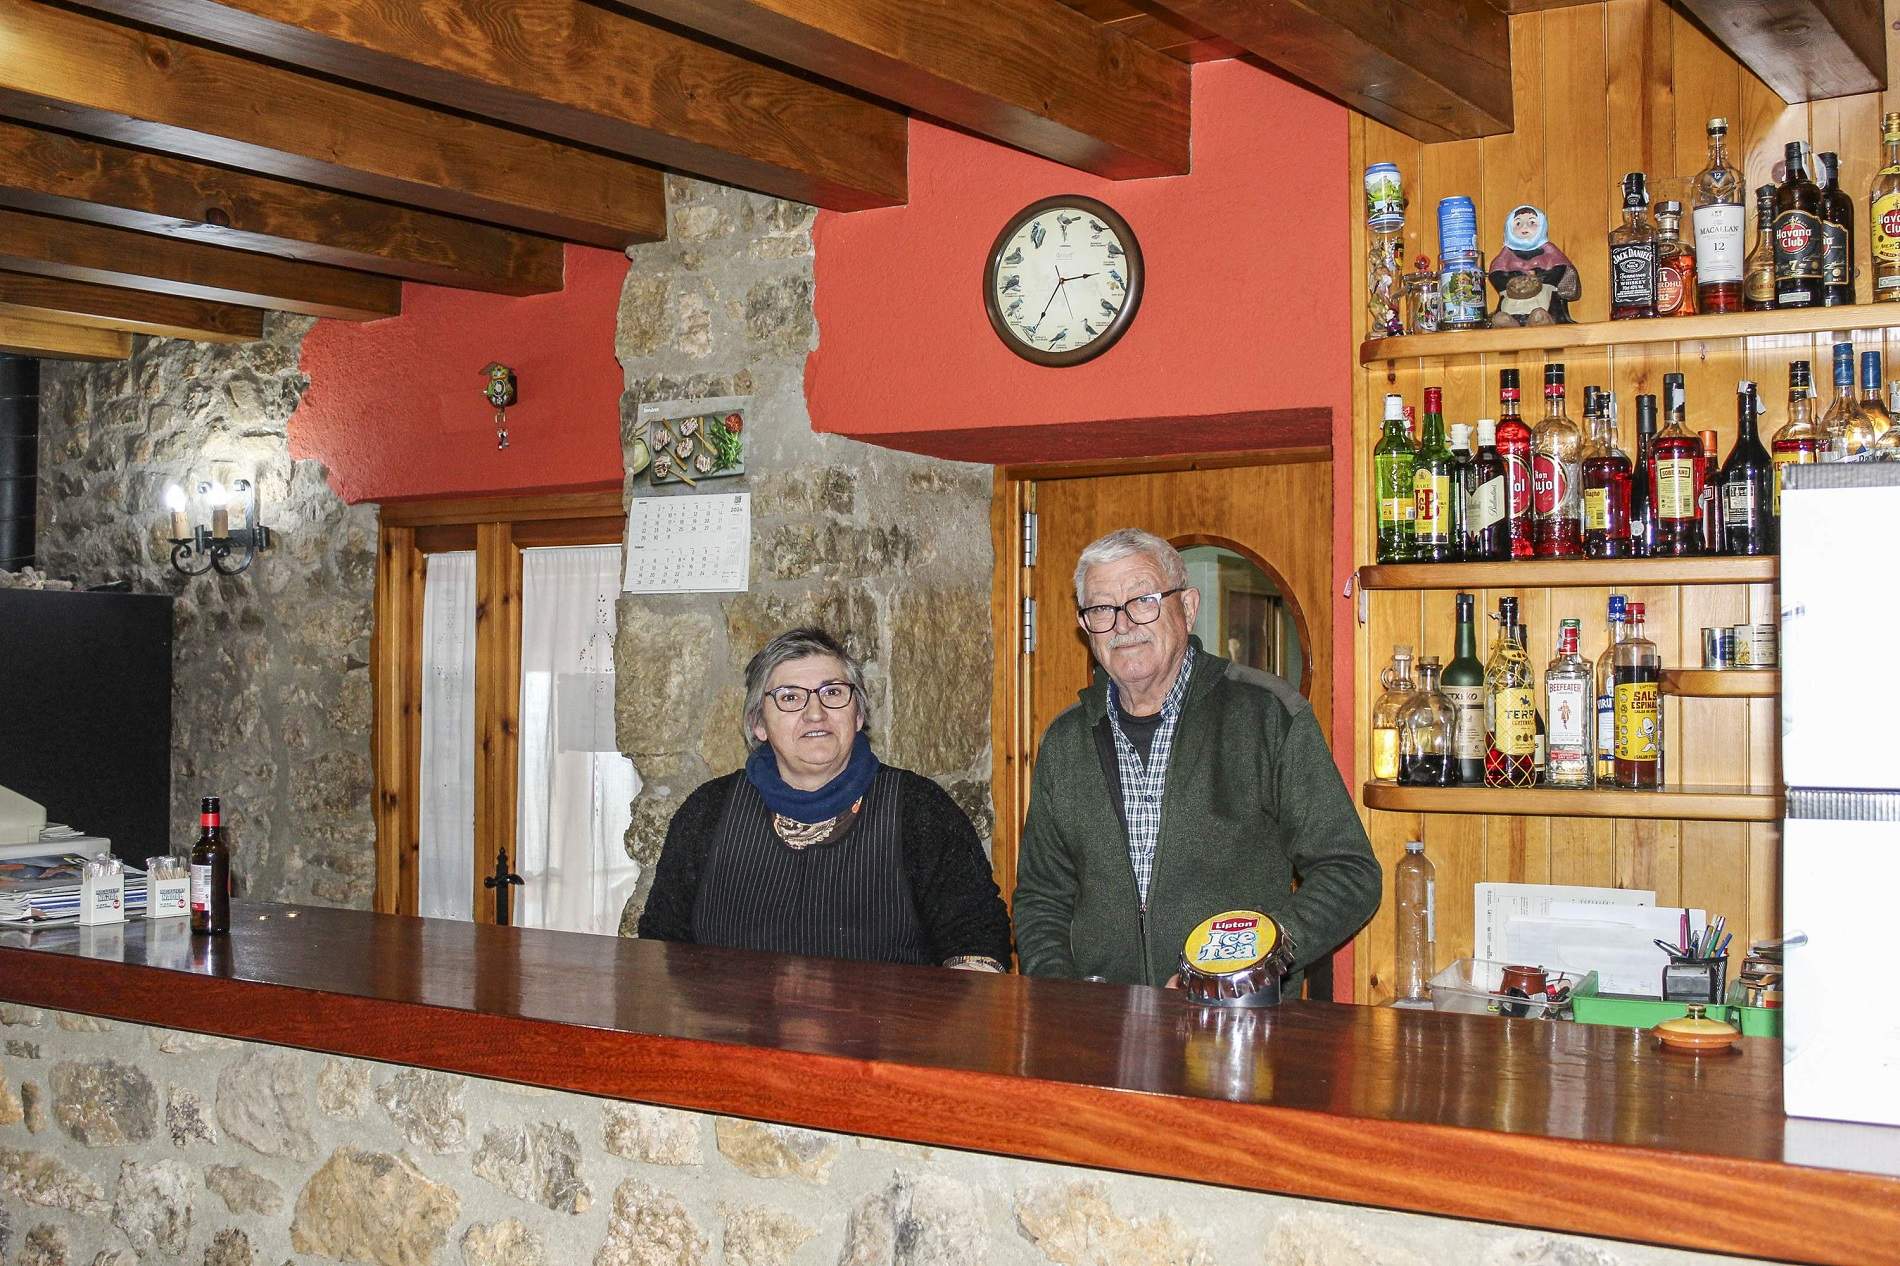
167	888
102	893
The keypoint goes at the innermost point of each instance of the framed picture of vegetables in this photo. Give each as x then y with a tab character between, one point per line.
685	441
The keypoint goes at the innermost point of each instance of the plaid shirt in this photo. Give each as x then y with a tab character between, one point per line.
1144	782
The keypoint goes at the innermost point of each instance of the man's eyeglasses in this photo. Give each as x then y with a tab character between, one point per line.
833	694
1145	609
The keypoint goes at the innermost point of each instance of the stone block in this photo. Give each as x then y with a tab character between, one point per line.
33	1106
658	1136
104	1103
940	672
723	746
833	549
373	1207
261	1103
767	1150
427	1108
540	1163
47	1245
1074	1224
230	1247
640	324
660	664
22	1050
244	1191
778	315
762	1237
74	1023
13	1015
843	609
1308	1238
12	1112
186	1118
648	1227
153	1206
506	1243
920	1219
178	1042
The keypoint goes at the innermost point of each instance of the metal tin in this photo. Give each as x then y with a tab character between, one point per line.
1711	649
1385	199
1235	959
1457	226
1767	652
1728	651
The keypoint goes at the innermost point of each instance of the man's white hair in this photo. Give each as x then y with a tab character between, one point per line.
1124	542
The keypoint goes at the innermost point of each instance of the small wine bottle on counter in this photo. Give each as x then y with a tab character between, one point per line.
210	872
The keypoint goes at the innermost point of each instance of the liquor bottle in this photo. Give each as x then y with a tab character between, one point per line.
1392	462
1570	703
210	872
1414	885
1432	469
1387	711
1606	492
1871	407
1510	711
1883	215
1758	285
1460	469
1557	475
1521	637
1463	684
1797	443
1487	529
1606	696
1798	243
1747	482
1708	508
1717	218
1887	447
1426	732
1633	255
1837	236
1638	674
1675	264
1642	475
1514	446
1675	480
1846	435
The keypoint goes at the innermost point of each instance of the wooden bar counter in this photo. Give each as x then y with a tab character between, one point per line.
1567	1127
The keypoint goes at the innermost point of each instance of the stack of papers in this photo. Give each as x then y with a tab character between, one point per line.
1610	931
45	890
56	840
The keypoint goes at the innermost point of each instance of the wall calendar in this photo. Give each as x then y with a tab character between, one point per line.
699	544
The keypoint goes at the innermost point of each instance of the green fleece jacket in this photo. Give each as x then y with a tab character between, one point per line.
1252	801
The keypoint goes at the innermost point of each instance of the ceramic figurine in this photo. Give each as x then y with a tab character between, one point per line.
1536	282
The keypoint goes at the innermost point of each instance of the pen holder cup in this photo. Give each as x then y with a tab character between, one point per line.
1696	980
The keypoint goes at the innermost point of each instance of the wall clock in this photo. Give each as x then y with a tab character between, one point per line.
1063	280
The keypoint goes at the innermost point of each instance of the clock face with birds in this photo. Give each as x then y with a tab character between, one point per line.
1063	280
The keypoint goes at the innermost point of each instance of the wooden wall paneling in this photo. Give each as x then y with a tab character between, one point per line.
1578	185
394	696
1011	749
497	702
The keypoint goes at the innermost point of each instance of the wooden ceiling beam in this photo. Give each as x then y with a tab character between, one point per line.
79	73
25	336
1035	74
1436	70
134	311
74	251
103	183
1806	50
569	69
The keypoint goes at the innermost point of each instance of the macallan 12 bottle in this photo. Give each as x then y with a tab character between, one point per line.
210	872
1717	217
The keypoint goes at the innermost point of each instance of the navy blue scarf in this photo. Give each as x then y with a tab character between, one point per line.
824	804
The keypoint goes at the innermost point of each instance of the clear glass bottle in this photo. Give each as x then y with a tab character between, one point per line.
1385	248
1883	215
1797	443
1460	469
1675	490
1570	703
1638	675
1392	461
1424	302
1633	255
1758	285
1675	264
1837	236
1846	435
1463	684
1414	889
1557	475
1427	730
1510	707
1387	712
1717	218
1798	228
1606	695
1872	406
1432	471
1606	492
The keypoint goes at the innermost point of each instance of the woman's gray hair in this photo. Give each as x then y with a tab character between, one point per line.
1124	542
783	649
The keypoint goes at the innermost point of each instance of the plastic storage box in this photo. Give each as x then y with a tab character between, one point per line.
1470	986
1626	1012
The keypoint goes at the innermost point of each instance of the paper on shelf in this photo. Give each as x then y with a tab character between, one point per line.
1493	905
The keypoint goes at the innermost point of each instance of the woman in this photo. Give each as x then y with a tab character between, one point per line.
817	848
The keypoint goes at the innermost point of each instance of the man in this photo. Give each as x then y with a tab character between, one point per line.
1181	785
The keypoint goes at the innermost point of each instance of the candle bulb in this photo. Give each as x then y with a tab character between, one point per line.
220	510
175	502
243	495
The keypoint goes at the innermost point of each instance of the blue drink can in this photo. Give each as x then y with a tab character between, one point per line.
1457	226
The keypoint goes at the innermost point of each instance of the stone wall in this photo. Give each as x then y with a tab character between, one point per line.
122	1144
888	550
270	684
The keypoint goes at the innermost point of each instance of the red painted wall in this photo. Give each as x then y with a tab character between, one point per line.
394	407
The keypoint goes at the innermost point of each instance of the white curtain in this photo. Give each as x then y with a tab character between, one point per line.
575	792
447	843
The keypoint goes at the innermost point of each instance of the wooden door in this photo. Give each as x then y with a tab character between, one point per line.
1275	509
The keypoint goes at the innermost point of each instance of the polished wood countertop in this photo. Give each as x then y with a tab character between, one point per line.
1556	1126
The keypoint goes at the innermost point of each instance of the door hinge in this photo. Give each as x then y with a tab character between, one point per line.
1029	538
1029	626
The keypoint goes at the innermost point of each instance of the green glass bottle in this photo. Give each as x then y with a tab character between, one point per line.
1392	462
1463	684
1433	472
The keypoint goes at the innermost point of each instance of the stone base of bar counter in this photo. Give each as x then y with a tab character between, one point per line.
121	1143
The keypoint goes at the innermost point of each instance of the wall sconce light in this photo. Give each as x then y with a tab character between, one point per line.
233	533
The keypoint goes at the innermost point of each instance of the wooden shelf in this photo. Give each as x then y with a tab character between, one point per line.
1722	683
1572	573
1687	804
1559	338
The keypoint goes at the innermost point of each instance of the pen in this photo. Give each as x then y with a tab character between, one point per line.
1683	939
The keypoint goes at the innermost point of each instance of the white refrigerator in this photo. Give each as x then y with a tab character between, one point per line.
1840	843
